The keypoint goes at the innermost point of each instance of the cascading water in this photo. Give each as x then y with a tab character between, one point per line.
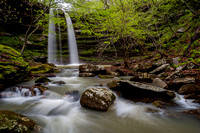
58	112
73	51
60	43
52	55
52	45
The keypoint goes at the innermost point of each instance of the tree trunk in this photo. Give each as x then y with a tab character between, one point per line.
29	28
28	34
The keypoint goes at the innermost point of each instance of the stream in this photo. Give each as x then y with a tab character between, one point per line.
59	113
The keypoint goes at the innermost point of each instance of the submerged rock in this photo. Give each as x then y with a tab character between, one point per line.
113	84
195	112
97	98
159	104
38	89
105	76
59	82
73	94
11	122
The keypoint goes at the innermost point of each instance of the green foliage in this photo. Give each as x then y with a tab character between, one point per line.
197	60
12	41
34	49
90	51
165	24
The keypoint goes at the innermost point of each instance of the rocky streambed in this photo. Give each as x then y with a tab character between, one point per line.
127	95
155	81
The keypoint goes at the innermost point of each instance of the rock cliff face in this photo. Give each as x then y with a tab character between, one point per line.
13	69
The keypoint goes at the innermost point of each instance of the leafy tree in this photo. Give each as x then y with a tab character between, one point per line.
133	23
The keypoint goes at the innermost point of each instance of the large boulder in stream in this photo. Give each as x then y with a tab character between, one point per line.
13	69
89	70
140	92
97	98
11	122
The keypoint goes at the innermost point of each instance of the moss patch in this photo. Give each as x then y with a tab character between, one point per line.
42	79
39	68
13	68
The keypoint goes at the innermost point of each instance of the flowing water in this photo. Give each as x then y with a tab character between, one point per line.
52	40
59	40
52	53
60	113
73	50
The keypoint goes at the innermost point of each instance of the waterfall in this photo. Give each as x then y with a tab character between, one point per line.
73	51
60	43
52	41
52	55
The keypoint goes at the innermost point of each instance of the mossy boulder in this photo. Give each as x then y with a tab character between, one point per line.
13	69
42	79
39	68
11	122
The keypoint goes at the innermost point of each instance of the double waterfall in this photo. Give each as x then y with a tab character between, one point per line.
55	46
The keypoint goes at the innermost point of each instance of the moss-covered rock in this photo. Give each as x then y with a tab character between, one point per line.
39	68
13	68
11	122
42	79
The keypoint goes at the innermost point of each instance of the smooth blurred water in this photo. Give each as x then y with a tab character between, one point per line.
73	50
52	53
60	113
